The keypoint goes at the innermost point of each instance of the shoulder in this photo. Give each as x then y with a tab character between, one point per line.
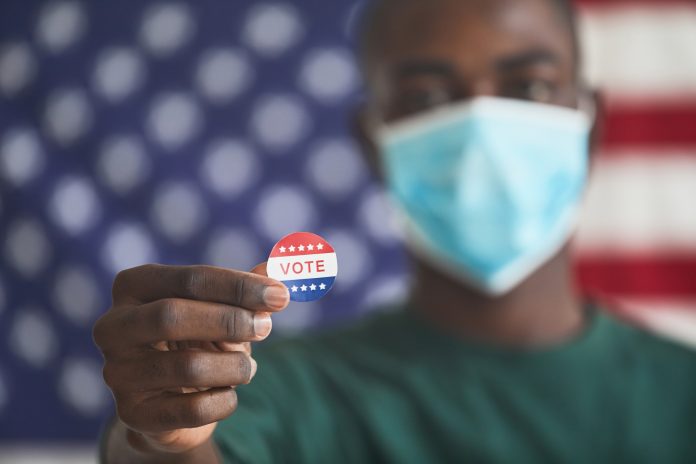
638	341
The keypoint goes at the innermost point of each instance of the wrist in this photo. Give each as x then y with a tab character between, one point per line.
123	445
169	453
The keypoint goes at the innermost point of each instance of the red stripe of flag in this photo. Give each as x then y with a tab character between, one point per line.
632	3
657	276
663	126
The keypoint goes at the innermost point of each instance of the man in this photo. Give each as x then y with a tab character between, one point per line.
479	124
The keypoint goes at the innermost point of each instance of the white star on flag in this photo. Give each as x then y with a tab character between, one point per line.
292	248
312	287
322	286
301	248
282	249
320	246
310	247
293	288
303	288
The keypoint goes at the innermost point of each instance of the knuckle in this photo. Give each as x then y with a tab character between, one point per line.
127	413
110	376
229	320
124	277
119	283
238	324
107	332
167	317
196	412
190	368
240	288
99	332
193	280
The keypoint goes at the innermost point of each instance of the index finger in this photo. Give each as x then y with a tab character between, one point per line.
153	282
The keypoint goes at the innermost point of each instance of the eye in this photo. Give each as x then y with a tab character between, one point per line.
417	100
537	90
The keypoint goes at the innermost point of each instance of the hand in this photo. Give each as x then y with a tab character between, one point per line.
175	345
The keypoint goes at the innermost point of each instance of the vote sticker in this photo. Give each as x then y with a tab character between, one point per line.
305	263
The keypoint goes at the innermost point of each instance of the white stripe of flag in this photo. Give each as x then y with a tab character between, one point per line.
640	203
641	52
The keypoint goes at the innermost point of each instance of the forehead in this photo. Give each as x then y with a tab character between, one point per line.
469	32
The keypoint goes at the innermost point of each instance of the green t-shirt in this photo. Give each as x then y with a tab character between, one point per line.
393	389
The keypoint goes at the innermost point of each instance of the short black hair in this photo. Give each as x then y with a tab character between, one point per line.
376	12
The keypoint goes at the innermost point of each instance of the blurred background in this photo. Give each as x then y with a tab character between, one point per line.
187	132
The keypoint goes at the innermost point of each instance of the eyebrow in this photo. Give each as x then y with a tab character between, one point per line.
420	67
445	69
528	58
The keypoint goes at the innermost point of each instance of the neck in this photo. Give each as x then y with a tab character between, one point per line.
543	310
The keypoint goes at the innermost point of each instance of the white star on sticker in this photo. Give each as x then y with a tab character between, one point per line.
310	247
293	288
303	288
301	247
292	248
282	249
320	246
322	286
312	287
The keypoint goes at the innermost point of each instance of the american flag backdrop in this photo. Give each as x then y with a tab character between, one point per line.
202	132
637	243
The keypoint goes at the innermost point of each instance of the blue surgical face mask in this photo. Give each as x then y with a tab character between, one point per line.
489	188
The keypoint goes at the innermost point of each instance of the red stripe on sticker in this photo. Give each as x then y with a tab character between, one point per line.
301	243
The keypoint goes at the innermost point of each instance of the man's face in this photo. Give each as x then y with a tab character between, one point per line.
436	52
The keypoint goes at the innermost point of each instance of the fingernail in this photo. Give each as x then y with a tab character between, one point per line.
276	297
262	325
253	368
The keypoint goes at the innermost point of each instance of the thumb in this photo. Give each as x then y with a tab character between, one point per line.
261	269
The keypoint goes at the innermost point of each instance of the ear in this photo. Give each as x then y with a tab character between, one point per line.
362	128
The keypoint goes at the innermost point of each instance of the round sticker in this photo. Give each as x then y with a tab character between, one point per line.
305	263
